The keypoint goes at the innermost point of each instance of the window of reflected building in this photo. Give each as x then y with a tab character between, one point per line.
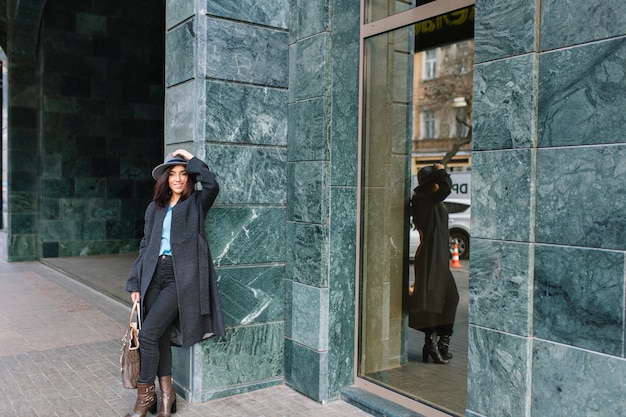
417	95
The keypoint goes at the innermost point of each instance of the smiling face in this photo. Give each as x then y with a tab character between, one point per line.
177	180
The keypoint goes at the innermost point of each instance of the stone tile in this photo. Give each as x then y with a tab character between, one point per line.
309	77
579	297
503	30
308	192
579	103
499	365
273	13
502	209
308	18
504	97
244	52
309	130
181	53
500	286
561	22
309	316
577	201
561	388
176	11
246	114
306	254
260	179
246	235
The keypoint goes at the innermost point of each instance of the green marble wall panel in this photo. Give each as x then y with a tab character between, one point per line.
342	272
246	114
499	372
22	247
500	286
306	370
246	53
181	53
502	30
246	235
308	18
309	130
253	294
579	94
274	13
501	195
579	297
177	11
180	107
344	92
309	316
579	21
504	97
309	68
247	358
24	223
307	254
578	199
260	177
308	192
576	382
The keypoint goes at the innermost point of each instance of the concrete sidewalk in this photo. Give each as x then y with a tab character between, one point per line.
59	356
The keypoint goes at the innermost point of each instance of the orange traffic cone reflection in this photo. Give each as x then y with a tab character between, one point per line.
455	263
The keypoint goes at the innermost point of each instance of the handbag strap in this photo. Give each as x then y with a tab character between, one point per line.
134	310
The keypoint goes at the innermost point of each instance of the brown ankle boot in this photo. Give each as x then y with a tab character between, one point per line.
146	400
168	396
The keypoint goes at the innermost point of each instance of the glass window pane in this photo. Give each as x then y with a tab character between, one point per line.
417	111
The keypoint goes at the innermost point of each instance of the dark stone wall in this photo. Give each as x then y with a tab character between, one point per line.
100	123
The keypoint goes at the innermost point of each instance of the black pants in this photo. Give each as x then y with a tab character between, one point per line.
160	310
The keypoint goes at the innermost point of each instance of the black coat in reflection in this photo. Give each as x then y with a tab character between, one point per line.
432	259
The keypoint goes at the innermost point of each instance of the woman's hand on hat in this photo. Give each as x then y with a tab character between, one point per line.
438	166
184	153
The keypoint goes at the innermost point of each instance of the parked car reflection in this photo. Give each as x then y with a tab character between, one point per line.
459	215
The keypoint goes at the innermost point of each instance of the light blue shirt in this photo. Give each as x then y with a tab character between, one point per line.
166	248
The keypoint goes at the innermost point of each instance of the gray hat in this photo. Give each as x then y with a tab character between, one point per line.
170	161
426	174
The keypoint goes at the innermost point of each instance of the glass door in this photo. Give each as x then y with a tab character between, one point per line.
416	111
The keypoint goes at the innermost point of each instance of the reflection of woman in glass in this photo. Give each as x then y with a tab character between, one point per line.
435	296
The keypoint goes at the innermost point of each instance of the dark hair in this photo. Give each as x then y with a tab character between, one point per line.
162	190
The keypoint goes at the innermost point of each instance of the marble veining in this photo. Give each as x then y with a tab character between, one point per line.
503	100
500	286
180	55
252	295
501	195
570	382
578	196
503	29
579	297
246	235
308	18
245	114
242	52
578	21
308	68
177	11
308	193
309	316
307	254
249	174
580	94
498	368
268	12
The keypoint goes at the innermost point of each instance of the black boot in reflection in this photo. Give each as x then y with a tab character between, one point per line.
444	344
430	348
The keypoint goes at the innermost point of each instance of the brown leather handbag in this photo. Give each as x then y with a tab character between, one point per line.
130	360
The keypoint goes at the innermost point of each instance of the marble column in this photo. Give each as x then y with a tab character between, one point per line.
226	101
547	286
322	175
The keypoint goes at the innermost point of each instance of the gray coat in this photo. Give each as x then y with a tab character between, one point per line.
200	312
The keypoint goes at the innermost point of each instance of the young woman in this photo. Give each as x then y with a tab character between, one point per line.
173	275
